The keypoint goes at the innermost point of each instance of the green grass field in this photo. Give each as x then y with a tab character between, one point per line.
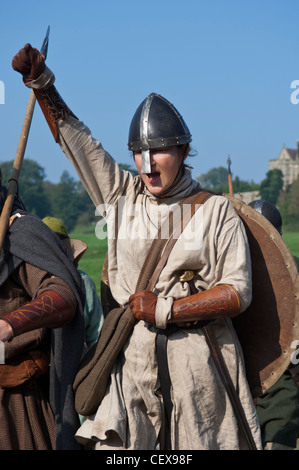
93	259
292	241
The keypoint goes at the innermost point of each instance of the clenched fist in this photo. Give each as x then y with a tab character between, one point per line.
6	331
29	62
143	305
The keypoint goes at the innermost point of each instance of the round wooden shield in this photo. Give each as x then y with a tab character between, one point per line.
268	329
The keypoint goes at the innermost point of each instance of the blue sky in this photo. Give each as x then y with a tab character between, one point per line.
227	65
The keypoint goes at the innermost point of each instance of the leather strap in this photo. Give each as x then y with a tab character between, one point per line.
195	201
225	377
161	351
162	335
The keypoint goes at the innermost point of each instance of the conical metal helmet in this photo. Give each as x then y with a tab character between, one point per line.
156	124
268	210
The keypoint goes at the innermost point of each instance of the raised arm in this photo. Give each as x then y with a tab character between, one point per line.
97	170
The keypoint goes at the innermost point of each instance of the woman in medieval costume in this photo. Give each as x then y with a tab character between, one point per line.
41	299
132	412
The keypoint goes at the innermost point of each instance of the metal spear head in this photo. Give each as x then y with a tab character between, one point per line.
44	48
12	186
229	164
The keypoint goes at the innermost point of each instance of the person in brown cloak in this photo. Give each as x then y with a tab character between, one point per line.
41	333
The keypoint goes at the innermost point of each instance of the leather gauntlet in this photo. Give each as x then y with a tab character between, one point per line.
53	107
219	302
49	310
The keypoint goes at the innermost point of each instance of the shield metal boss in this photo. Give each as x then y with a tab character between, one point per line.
267	329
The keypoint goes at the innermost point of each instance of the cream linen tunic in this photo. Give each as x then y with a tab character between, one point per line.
214	245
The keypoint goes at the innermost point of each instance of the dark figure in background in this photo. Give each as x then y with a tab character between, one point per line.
278	408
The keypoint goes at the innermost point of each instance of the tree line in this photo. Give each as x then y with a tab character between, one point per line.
270	189
68	200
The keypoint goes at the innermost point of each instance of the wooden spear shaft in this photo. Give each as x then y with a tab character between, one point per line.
13	180
230	179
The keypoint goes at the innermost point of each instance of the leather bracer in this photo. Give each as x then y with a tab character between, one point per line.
53	107
219	302
48	310
51	103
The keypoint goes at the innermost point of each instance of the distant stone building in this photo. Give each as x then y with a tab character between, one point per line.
248	196
288	163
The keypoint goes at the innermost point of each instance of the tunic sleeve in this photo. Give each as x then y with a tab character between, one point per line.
99	173
233	262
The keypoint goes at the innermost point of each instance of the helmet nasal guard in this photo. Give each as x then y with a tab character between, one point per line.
156	124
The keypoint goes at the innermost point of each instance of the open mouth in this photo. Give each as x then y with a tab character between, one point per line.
153	177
